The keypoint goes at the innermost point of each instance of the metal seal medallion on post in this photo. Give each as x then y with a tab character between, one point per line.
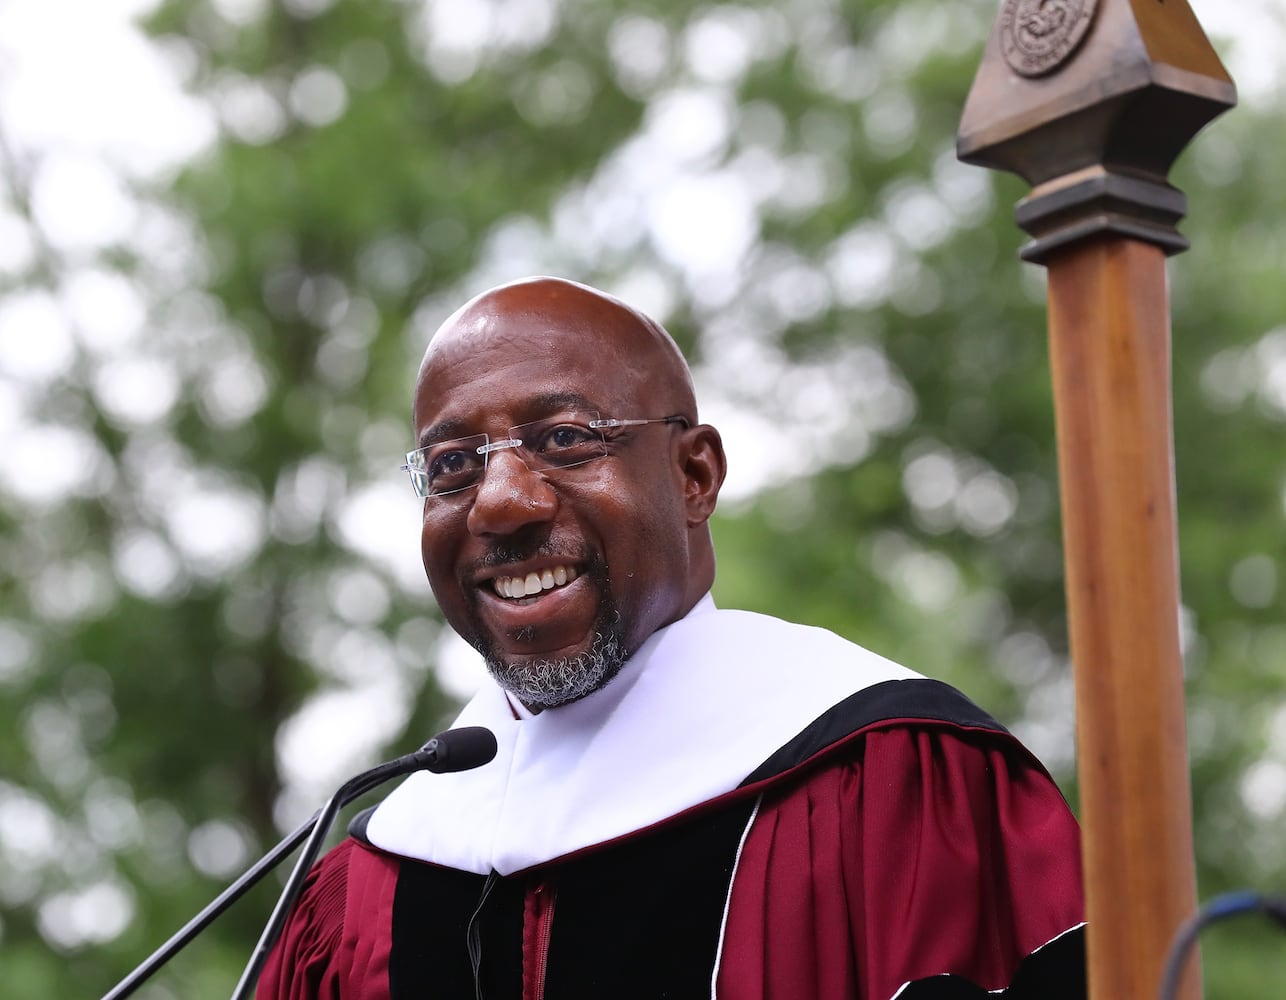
1037	36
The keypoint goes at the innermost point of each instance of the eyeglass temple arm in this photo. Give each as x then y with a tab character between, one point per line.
617	422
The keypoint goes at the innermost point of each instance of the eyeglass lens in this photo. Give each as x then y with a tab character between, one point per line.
545	445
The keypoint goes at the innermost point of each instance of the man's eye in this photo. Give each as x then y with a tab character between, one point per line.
565	436
449	462
453	464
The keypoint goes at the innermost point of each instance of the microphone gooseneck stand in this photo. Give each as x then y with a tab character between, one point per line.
453	750
189	931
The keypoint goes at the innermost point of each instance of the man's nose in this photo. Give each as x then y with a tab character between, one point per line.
510	497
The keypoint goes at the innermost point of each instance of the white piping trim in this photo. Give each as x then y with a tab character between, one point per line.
727	903
941	975
1061	934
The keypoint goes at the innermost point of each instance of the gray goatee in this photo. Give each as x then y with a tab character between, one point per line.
542	684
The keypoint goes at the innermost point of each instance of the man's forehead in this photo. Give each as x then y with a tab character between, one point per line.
543	360
522	410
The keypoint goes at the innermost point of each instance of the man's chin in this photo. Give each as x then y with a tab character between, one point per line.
547	682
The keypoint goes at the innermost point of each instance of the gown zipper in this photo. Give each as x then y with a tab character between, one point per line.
538	926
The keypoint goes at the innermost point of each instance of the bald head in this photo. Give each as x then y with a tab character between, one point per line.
545	564
584	319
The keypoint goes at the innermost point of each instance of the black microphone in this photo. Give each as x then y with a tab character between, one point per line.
454	750
460	749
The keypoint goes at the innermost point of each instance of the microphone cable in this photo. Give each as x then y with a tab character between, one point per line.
1230	904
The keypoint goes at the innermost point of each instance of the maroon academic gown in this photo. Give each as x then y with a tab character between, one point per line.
903	844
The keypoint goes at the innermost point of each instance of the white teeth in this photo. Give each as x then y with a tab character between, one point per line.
533	583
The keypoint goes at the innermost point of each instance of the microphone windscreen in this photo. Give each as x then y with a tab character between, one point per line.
461	749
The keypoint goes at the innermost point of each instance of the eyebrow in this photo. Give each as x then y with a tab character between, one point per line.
444	430
545	403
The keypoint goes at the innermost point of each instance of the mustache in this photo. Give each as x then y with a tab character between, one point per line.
503	553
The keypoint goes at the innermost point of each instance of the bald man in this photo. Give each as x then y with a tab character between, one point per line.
686	801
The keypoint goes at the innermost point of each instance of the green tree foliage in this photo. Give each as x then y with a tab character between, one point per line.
202	597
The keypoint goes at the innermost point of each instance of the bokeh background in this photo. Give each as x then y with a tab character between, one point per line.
227	229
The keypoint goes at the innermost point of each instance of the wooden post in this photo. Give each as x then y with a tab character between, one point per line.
1091	101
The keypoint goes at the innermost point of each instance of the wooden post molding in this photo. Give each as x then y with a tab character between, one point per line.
1091	101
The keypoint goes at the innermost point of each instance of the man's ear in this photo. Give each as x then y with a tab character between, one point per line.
704	467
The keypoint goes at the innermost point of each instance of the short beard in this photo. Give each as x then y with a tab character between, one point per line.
541	684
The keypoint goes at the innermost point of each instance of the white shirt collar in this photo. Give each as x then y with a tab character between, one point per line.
521	711
701	704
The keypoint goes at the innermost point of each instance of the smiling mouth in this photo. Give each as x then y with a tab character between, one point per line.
523	588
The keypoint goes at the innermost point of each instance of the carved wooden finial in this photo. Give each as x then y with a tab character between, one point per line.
1091	101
